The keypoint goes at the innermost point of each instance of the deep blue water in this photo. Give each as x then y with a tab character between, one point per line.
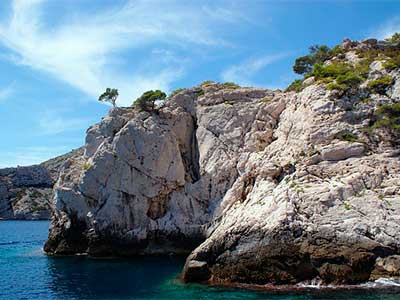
26	273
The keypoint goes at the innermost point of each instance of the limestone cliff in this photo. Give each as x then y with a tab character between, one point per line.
259	186
26	192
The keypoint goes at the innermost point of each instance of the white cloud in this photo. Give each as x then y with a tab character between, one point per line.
243	72
25	156
82	49
387	29
6	92
53	122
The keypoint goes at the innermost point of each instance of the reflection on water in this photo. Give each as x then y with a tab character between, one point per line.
79	277
26	273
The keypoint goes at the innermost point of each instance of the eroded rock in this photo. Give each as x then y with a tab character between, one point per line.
258	186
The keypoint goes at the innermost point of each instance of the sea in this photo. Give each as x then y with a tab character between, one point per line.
27	273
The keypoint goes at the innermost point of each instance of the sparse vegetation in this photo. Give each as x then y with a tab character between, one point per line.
110	96
177	91
332	70
336	86
295	86
349	79
146	102
380	85
293	184
366	99
388	116
392	63
265	100
199	93
394	39
306	64
339	75
348	137
231	85
207	82
86	166
34	194
20	194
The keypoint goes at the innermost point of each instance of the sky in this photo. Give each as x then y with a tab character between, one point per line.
58	56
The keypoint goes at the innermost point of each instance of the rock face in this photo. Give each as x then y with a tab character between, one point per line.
26	192
259	186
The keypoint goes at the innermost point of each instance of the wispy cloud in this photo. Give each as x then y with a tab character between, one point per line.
53	122
25	156
387	29
6	92
82	50
243	72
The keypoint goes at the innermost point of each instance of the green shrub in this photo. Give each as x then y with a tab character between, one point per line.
340	75
365	99
177	91
394	39
207	82
265	100
350	79
391	54
337	50
388	116
230	85
326	80
306	64
348	137
346	205
345	76
332	70
147	101
336	86
199	93
390	65
86	165
362	68
295	86
380	85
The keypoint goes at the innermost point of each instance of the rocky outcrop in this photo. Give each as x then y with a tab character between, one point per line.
259	186
26	192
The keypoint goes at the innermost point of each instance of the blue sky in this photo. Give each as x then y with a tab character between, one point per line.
57	56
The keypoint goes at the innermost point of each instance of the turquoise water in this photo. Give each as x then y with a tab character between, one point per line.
26	273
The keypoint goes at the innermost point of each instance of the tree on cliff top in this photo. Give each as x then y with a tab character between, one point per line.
318	54
110	96
147	100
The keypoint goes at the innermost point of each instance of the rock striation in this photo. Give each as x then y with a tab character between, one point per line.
259	186
26	192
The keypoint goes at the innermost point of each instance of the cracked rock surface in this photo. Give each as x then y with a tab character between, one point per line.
257	185
26	192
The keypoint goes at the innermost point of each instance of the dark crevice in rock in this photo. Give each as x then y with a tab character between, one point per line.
191	156
284	171
195	165
248	185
